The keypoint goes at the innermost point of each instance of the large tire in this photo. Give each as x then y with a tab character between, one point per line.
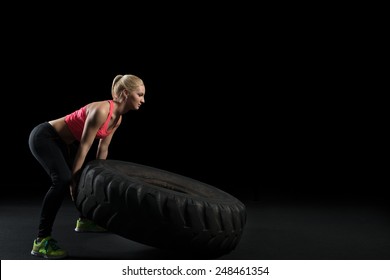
159	208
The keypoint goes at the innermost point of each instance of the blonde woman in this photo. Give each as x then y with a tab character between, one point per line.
61	147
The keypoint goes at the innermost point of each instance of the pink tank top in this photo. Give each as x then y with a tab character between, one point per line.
76	121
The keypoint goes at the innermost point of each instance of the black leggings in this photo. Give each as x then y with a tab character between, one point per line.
56	158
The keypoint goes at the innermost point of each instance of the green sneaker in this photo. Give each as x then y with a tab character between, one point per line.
86	225
48	249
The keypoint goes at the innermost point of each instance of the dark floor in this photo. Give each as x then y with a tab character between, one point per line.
276	229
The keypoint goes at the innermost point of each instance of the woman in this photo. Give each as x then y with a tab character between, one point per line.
51	144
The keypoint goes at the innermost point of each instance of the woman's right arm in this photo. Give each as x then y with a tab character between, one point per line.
95	118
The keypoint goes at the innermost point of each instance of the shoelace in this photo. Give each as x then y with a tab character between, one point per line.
52	244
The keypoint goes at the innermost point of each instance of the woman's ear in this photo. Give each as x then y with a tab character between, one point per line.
122	96
126	94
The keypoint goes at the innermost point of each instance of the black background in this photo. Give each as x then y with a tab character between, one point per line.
256	108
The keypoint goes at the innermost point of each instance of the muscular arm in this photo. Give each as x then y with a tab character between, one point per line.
95	118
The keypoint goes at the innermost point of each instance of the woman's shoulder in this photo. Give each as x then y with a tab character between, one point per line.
98	108
103	105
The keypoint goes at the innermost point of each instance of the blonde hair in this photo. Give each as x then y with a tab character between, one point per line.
127	82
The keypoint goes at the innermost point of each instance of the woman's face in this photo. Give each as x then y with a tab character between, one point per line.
136	98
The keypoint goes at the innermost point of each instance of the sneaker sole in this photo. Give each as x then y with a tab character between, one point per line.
92	231
46	257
